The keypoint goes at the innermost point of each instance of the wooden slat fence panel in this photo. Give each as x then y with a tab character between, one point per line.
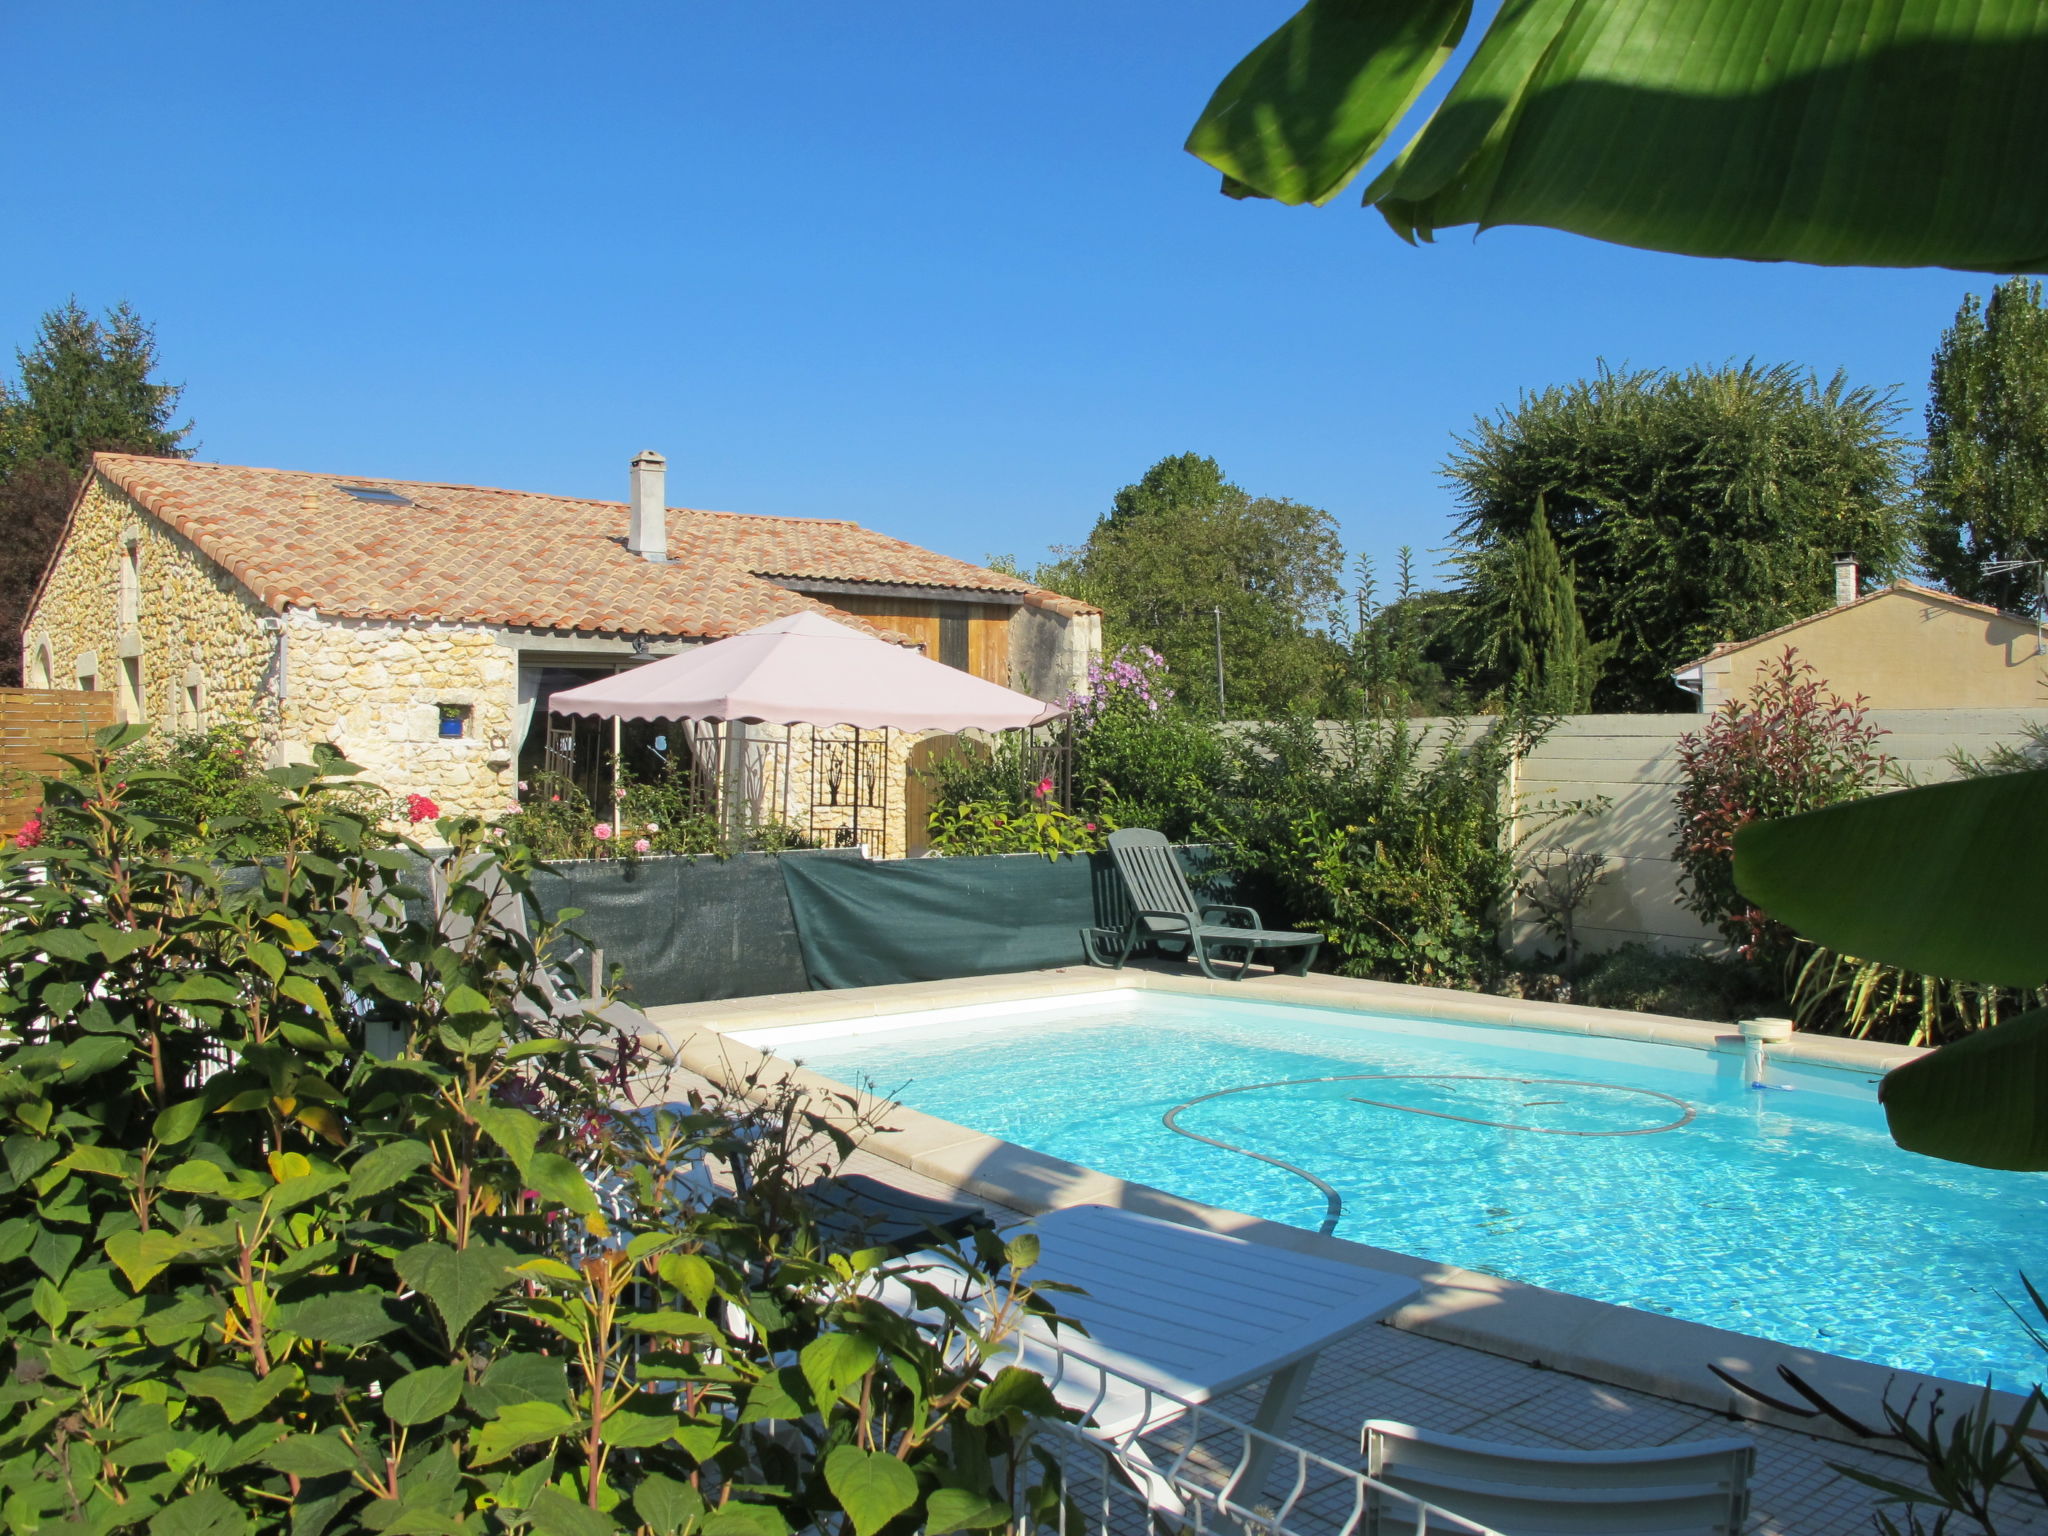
34	724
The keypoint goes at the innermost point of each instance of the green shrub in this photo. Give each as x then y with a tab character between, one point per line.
1141	757
1685	983
257	1278
981	826
1389	839
1788	746
555	819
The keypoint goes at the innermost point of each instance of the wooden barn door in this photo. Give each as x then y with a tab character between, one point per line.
917	789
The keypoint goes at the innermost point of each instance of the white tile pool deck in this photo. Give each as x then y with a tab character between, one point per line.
1560	1371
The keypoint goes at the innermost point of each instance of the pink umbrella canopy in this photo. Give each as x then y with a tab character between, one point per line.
806	670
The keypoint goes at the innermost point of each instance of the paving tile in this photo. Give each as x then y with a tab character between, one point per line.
1592	1417
1341	1411
1481	1381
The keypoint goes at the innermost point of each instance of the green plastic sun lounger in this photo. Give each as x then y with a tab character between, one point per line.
1164	908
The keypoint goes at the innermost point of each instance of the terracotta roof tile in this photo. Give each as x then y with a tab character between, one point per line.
464	553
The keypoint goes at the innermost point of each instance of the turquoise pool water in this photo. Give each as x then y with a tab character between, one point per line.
1646	1175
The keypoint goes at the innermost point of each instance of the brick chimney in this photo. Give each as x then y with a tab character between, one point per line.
647	532
1845	580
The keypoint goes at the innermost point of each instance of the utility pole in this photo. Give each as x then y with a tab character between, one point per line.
1221	712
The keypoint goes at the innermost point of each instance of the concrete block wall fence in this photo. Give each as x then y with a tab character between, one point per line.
1632	760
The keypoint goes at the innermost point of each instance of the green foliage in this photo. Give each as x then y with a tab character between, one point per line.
555	819
85	385
1684	983
1410	656
1695	508
1142	758
1866	135
1387	838
1985	484
1183	543
258	1278
1551	665
1043	827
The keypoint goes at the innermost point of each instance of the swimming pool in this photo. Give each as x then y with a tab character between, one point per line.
1647	1175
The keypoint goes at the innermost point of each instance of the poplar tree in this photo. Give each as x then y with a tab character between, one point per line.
1552	665
87	385
1984	488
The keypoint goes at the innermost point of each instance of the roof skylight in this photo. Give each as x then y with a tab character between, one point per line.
372	494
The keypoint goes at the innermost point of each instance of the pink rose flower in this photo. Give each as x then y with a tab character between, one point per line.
1042	788
643	846
1090	826
31	833
419	808
602	831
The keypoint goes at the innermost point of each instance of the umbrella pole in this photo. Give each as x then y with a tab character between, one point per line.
617	736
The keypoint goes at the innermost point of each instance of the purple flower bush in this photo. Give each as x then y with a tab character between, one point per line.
1135	675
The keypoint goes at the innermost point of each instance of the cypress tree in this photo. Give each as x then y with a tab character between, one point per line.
1551	663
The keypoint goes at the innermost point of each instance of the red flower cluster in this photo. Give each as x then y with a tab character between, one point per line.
420	808
31	832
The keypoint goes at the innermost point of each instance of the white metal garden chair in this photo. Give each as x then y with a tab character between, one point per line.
1693	1488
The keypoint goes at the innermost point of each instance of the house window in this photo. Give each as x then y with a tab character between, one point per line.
41	673
192	707
455	720
130	604
131	690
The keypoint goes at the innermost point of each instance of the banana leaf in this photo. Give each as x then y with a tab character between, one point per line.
1982	1099
1944	879
1841	132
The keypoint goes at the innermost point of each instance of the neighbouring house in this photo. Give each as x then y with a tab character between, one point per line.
419	628
1901	647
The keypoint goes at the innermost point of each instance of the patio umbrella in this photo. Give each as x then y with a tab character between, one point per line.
807	670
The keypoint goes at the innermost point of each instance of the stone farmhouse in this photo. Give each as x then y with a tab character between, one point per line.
1903	646
420	628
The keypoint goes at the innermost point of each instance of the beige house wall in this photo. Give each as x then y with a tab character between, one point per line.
192	635
1901	650
1050	652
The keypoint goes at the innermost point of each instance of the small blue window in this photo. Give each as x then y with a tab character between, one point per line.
454	719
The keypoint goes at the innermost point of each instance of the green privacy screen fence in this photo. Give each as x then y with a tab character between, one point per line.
688	930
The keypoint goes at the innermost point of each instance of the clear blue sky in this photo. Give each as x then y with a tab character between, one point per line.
940	268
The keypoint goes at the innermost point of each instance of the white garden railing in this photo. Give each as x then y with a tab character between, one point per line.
1186	1467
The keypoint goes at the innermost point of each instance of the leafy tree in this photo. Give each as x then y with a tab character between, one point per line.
1696	507
86	386
1902	133
1986	480
1551	664
1182	544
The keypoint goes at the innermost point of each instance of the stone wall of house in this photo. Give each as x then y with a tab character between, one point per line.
196	638
376	690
